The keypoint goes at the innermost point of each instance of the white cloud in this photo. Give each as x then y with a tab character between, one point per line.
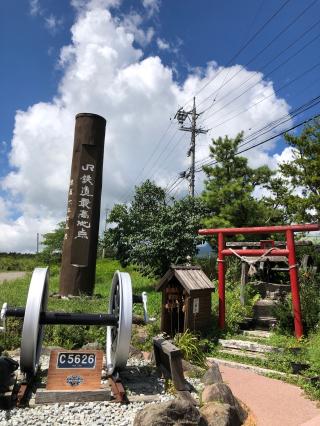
82	5
131	23
52	23
162	44
104	73
21	234
35	8
286	155
152	6
3	147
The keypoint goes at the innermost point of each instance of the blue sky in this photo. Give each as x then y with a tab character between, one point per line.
135	62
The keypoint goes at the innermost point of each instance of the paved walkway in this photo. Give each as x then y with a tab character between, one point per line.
11	275
274	403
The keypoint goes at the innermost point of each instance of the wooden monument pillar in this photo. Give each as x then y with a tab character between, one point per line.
83	213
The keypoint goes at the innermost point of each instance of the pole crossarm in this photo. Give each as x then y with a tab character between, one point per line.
193	115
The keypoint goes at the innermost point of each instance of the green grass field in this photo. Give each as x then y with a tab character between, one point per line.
15	294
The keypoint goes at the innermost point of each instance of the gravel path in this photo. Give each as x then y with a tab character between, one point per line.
140	380
90	413
273	402
11	275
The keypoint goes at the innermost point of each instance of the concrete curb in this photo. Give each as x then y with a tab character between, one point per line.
253	368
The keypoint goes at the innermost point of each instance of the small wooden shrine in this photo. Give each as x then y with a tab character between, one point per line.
186	300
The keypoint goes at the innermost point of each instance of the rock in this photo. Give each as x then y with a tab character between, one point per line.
55	295
135	353
220	392
217	414
147	355
191	370
140	334
94	346
7	367
46	350
212	375
174	412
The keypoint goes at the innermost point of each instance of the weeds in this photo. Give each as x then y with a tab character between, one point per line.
191	347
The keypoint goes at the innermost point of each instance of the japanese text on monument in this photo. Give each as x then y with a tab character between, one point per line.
83	219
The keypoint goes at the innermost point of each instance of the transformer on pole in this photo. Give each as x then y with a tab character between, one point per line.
181	116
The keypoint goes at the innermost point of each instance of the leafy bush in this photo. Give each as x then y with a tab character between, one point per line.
282	311
310	304
314	352
235	311
191	347
145	343
208	265
19	262
233	270
310	298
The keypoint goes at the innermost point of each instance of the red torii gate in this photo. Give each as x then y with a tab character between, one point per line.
289	251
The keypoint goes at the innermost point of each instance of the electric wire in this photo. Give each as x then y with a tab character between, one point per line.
273	125
303	74
266	140
244	46
148	163
242	67
266	75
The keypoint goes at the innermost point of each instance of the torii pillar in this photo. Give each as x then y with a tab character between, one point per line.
79	251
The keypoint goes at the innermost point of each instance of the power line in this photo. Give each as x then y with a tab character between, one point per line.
147	163
151	164
273	124
244	46
242	67
266	75
267	140
279	134
303	34
304	73
177	183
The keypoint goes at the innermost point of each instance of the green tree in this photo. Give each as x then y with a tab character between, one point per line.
297	190
229	188
53	242
151	233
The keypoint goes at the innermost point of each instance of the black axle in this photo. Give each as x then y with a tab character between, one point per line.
74	318
77	318
67	318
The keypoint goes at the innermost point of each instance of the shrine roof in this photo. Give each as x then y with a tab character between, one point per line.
192	278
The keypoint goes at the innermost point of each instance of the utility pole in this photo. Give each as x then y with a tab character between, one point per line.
37	242
104	232
181	116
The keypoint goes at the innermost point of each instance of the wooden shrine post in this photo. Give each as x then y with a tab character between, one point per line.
243	280
83	213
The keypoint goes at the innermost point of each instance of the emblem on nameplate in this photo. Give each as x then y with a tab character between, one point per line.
74	380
